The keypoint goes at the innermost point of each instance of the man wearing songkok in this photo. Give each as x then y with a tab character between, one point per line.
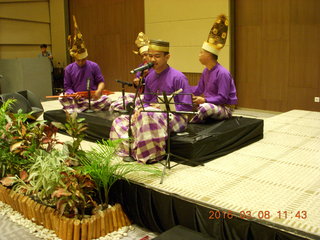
142	43
81	75
149	129
215	94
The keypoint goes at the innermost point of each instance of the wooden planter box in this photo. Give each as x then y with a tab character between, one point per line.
65	228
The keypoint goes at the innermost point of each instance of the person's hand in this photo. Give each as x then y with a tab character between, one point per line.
136	81
198	100
77	96
136	114
145	72
155	105
97	95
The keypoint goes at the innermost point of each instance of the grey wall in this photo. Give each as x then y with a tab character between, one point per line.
33	74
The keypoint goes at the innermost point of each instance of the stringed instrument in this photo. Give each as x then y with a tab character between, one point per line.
82	94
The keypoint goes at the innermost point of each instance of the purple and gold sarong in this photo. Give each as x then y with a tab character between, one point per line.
117	105
149	132
70	104
209	110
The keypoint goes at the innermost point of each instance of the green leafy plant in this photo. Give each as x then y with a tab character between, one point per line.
75	128
20	138
75	197
105	172
44	176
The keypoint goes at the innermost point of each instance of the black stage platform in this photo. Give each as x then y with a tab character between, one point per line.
199	143
160	211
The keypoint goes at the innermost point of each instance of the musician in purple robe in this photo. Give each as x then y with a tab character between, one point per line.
149	129
81	76
215	95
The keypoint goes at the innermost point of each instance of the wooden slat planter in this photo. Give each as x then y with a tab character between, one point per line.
96	226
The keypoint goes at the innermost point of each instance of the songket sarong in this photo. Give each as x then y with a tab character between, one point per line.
117	105
149	130
71	104
209	110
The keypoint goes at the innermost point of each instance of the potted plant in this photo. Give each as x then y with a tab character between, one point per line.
66	186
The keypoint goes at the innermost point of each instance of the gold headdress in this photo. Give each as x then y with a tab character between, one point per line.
142	43
159	45
77	49
217	36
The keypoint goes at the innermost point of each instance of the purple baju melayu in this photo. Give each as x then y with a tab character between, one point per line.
149	129
75	80
217	87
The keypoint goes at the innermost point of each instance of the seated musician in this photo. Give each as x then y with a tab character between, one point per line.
215	94
80	75
142	43
149	129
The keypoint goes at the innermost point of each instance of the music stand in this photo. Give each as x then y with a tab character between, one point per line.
168	103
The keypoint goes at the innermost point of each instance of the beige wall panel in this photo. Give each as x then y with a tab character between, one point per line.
31	11
182	33
58	32
168	10
191	59
19	32
185	24
22	51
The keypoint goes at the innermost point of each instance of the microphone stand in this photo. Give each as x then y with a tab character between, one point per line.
123	94
130	110
137	94
89	110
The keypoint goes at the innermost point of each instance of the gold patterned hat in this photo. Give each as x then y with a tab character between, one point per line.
77	49
217	36
142	43
159	45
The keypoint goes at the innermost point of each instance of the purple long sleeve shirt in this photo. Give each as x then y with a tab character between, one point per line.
168	81
75	77
217	86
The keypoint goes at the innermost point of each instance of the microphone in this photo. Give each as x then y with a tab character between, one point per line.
124	83
88	84
142	68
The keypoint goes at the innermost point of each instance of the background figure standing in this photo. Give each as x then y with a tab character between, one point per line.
45	52
215	95
80	75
